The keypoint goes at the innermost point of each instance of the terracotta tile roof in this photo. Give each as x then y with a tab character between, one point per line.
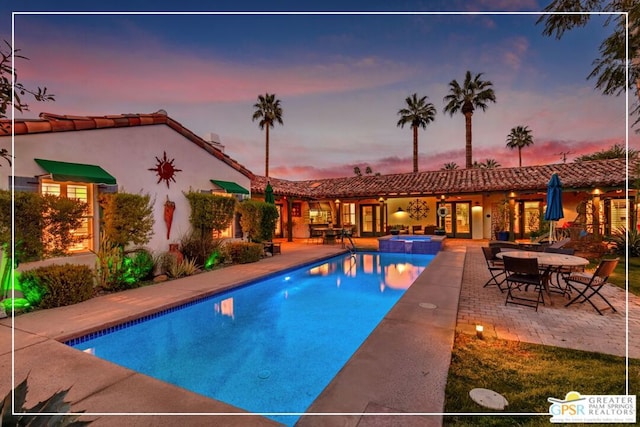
66	123
575	176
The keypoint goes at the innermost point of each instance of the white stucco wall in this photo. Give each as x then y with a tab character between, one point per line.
127	153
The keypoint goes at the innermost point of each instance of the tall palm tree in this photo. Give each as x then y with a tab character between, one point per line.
268	111
474	93
519	137
419	113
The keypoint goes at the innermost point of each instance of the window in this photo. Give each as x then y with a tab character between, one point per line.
79	192
531	216
618	213
348	213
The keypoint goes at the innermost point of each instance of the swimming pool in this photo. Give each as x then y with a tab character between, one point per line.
272	346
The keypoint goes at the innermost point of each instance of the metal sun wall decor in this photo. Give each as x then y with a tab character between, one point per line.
418	209
165	169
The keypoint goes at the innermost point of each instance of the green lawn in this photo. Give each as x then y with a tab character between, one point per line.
526	375
618	277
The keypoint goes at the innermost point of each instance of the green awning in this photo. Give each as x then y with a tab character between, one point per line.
76	172
230	187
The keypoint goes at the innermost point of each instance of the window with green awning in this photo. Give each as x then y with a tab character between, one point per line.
230	187
76	172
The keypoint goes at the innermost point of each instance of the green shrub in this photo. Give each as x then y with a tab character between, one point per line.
138	266
31	289
117	270
620	241
210	212
28	224
63	284
164	262
199	248
258	220
243	252
127	218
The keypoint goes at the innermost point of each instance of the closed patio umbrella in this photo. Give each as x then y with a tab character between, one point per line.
554	203
268	194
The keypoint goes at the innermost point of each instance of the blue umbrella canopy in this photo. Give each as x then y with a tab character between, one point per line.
554	199
554	203
268	194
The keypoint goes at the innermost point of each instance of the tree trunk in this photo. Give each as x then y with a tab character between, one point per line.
520	155
266	157
467	120
415	149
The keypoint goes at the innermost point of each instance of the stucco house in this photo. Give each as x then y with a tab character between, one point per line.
83	156
464	202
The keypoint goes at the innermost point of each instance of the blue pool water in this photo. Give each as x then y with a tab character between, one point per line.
272	346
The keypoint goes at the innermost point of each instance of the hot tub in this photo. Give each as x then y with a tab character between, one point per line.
411	244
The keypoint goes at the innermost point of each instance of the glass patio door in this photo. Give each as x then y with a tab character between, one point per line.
370	220
457	222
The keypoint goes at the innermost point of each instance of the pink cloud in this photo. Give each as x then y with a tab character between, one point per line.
157	76
545	152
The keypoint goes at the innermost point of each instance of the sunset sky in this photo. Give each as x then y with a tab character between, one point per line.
341	78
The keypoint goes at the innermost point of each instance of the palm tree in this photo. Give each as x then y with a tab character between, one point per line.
268	111
474	93
449	166
490	164
419	113
519	137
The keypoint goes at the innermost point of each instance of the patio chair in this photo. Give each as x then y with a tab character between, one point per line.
416	229
589	285
523	273
316	235
559	243
495	266
561	273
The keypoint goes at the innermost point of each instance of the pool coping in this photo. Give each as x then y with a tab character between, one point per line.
101	387
400	371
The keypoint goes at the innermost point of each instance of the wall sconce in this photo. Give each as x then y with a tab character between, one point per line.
479	331
337	202
381	200
596	192
442	197
399	210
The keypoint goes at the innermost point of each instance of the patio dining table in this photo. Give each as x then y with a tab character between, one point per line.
330	234
551	262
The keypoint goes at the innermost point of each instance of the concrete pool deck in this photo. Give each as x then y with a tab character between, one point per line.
401	368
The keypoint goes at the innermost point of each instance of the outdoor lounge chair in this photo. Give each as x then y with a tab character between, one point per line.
559	243
495	267
589	285
523	273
